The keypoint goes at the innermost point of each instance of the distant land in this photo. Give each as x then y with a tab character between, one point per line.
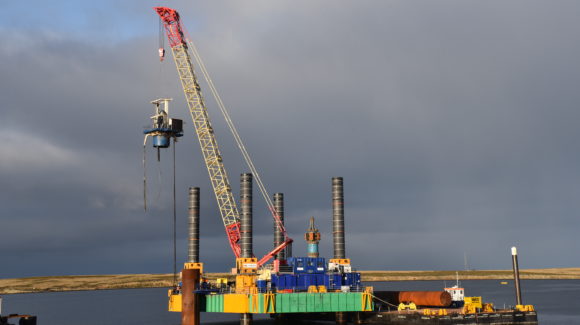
132	281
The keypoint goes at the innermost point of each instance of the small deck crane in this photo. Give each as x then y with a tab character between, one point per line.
205	134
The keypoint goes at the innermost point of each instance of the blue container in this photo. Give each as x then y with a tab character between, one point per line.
305	281
320	279
262	284
315	265
345	280
274	281
300	282
310	280
335	281
352	279
356	279
320	264
310	265
284	281
160	141
314	279
290	281
299	265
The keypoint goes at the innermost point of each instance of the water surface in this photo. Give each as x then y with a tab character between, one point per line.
557	302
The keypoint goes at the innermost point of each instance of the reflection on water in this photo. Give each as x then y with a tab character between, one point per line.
557	302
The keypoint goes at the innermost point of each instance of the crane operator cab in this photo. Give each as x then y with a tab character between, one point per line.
163	127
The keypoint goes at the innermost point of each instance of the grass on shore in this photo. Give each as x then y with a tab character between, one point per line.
535	274
129	281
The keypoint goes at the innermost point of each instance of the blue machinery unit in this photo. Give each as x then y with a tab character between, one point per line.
163	127
301	282
300	265
312	237
162	130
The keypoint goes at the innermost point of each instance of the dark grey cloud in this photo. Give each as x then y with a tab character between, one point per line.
453	124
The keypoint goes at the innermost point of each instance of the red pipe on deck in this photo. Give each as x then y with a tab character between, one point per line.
419	298
426	298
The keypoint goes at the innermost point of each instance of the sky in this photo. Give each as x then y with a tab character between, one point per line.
453	124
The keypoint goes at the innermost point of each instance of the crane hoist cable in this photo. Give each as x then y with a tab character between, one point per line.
161	52
174	248
163	131
174	222
145	172
159	174
161	40
237	137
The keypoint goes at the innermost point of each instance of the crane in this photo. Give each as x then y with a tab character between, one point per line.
180	48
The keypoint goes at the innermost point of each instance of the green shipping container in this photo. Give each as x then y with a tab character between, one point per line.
208	303
320	302
214	303
257	303
296	303
261	303
303	302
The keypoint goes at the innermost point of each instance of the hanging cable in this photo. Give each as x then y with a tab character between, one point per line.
161	40
237	138
381	300
161	43
159	182
174	221
145	172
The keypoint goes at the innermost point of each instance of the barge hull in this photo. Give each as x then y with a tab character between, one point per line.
385	318
499	318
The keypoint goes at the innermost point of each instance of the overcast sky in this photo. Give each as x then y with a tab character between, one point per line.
453	123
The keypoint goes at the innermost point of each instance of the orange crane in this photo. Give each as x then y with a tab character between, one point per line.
180	48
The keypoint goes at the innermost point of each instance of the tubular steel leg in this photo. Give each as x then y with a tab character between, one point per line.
193	223
246	216
357	319
340	318
338	218
278	237
246	319
190	302
516	275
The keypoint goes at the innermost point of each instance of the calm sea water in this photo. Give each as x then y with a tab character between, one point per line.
557	302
